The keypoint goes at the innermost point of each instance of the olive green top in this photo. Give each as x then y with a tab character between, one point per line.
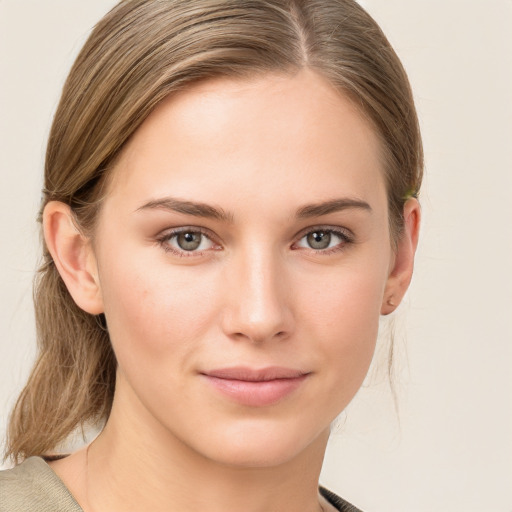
33	486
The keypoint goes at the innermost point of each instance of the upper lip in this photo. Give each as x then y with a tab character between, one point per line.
255	374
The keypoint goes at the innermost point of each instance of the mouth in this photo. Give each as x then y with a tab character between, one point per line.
255	387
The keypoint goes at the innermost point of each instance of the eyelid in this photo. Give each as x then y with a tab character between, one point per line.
346	234
169	233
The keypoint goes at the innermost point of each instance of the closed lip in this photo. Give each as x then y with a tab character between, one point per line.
255	387
247	374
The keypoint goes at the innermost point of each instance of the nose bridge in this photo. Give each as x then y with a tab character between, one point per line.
258	307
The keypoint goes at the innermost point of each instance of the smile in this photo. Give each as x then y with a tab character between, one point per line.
255	388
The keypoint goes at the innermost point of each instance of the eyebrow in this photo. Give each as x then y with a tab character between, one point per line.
188	208
332	206
213	212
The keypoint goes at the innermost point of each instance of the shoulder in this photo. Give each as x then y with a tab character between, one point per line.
33	486
337	502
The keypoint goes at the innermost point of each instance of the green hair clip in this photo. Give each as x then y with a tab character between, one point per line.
412	192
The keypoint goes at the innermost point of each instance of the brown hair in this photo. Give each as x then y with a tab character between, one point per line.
138	54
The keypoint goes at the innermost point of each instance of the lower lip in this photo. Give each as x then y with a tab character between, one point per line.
256	393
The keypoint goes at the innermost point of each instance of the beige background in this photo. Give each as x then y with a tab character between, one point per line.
450	446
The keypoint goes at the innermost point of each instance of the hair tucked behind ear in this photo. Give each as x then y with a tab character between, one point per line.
140	53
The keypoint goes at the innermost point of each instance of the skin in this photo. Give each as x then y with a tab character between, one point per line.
255	293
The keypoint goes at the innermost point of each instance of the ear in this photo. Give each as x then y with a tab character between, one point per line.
73	256
403	262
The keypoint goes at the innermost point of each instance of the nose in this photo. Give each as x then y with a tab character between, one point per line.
258	300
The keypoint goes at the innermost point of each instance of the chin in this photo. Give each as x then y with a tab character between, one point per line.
261	446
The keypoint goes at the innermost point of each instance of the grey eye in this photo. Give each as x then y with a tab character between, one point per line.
319	239
189	240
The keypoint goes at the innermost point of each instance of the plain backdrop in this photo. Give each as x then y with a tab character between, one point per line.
449	446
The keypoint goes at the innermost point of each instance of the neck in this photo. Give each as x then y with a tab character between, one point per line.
136	464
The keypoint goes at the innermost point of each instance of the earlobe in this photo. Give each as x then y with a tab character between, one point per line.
403	263
73	256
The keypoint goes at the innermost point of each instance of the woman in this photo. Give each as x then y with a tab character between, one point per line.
229	207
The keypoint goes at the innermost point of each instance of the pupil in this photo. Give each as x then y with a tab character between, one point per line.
189	241
319	240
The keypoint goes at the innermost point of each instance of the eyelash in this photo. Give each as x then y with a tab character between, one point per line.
345	235
166	237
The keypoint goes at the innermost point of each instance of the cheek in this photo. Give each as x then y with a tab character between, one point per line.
153	311
347	299
343	317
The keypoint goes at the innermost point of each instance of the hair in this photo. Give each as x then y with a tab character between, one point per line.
141	52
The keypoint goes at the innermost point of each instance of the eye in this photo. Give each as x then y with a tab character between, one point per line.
191	241
323	239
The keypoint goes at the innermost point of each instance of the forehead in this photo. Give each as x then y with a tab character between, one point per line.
288	133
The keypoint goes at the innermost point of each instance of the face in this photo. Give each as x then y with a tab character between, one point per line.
243	253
